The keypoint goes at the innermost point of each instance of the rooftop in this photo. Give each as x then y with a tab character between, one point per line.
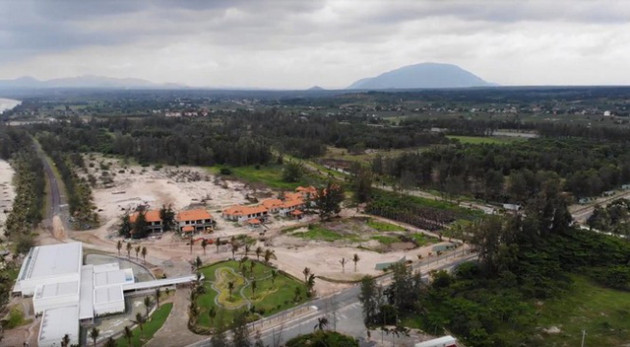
57	322
57	289
108	294
52	260
197	214
150	216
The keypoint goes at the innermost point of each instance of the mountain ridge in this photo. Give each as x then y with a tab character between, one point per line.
85	81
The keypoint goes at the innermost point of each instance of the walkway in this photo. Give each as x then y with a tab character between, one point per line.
175	331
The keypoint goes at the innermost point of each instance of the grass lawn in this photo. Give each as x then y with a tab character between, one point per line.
422	239
271	295
386	240
476	140
383	226
149	328
604	314
270	175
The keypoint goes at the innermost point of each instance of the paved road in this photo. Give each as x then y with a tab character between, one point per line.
343	310
55	190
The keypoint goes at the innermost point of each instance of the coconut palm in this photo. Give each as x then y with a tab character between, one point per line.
355	259
247	248
144	254
140	320
254	288
274	274
310	283
147	304
110	342
269	254
128	335
343	264
230	287
157	297
204	244
306	272
138	248
235	246
321	323
218	243
119	246
129	247
94	334
198	263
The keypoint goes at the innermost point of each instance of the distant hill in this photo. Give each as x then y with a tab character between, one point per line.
315	89
87	81
425	75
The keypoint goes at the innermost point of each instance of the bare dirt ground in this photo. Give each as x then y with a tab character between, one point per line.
7	193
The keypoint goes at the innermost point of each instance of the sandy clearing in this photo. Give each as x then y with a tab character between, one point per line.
7	192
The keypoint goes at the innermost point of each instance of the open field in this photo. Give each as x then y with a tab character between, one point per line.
154	323
267	175
272	294
366	157
491	140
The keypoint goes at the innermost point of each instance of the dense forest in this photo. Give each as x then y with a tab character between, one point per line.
514	172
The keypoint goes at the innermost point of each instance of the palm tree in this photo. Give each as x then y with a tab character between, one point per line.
253	288
321	323
110	342
230	287
138	248
218	243
310	283
140	320
204	244
259	251
128	335
235	246
144	254
274	274
65	341
119	246
269	254
247	248
355	259
198	263
157	297
129	247
306	272
343	264
94	335
147	304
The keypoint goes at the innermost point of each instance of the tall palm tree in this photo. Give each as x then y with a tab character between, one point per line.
321	323
65	341
138	248
204	244
128	335
157	297
306	272
110	342
259	251
147	304
119	246
355	259
247	248
144	254
235	246
94	334
254	288
269	254
140	320
231	287
274	274
310	283
343	264
198	262
129	247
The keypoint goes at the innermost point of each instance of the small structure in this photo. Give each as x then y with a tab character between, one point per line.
199	219
297	214
254	223
154	221
444	341
272	205
291	205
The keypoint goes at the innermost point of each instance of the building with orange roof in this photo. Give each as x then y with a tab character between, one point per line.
153	219
194	220
307	192
241	213
289	206
272	205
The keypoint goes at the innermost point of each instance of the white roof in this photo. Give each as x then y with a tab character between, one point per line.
52	260
57	289
86	305
109	278
57	322
105	295
447	340
106	267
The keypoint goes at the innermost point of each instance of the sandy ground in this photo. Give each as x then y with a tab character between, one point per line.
7	193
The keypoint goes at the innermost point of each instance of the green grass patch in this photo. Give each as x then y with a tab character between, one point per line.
149	328
422	239
604	314
271	295
269	175
317	232
491	140
15	318
386	240
383	226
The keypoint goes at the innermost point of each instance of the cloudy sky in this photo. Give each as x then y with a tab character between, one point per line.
331	43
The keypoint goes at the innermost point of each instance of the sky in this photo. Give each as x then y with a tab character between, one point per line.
294	44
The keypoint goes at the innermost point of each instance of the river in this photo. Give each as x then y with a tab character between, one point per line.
7	104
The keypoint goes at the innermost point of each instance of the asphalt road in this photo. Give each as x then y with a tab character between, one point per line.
343	310
54	188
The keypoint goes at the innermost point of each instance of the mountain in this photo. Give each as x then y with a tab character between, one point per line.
425	75
87	81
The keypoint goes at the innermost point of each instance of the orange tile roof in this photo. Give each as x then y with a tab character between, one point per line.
293	203
150	216
244	210
253	221
188	228
306	190
292	196
296	212
271	203
193	215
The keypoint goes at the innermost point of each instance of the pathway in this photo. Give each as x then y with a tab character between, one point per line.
175	331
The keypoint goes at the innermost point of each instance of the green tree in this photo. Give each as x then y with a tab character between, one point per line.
362	183
138	249
119	246
292	171
370	300
94	332
329	200
139	226
125	228
65	341
240	332
204	244
167	215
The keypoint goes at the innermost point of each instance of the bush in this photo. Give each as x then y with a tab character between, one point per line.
323	339
225	171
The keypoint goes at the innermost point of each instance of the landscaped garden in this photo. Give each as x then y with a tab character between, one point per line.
139	336
233	286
